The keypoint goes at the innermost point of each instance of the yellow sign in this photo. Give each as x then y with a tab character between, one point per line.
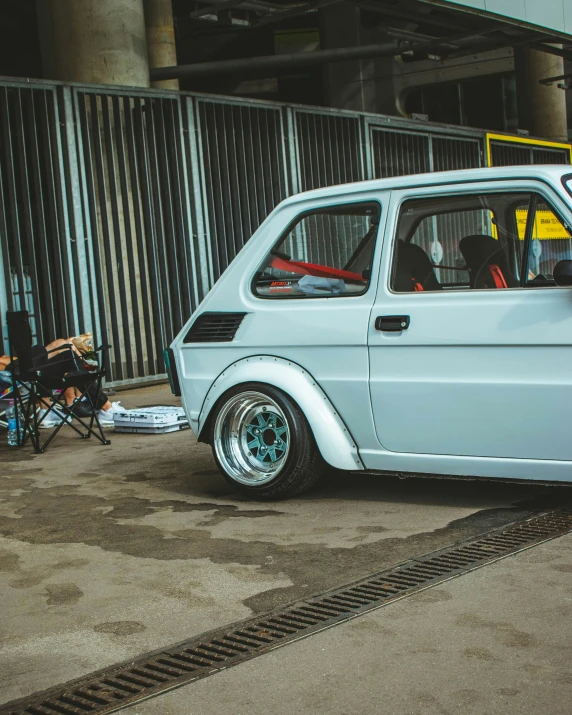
547	226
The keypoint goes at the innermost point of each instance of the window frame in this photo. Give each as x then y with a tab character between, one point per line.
290	226
535	192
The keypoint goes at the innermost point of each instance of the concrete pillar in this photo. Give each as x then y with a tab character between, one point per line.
347	85
94	41
161	47
541	108
359	85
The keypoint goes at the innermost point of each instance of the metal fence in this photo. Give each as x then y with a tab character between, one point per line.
120	209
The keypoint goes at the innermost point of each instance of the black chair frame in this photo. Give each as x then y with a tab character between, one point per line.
33	390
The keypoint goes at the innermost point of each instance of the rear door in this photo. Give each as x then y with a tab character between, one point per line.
472	352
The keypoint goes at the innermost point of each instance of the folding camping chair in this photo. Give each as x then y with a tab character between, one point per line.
36	385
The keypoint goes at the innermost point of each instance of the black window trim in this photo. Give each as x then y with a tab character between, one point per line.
299	217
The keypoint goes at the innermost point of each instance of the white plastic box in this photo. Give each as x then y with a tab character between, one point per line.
151	420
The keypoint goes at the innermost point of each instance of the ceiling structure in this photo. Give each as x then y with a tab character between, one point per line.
421	30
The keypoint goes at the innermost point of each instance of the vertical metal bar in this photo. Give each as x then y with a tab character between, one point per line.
160	221
216	198
27	234
142	132
64	237
47	283
267	161
87	192
181	247
114	201
224	170
130	327
75	208
50	249
206	184
293	152
368	155
186	213
6	300
167	238
249	171
146	301
431	158
241	192
201	227
108	287
10	178
231	172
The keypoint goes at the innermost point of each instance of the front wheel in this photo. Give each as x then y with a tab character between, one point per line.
263	444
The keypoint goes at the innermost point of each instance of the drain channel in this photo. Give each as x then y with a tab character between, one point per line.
118	686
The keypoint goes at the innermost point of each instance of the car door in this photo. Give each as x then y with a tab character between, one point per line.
471	346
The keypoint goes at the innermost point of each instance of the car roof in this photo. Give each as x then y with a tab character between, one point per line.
548	172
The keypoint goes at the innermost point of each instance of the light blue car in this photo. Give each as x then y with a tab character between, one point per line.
419	324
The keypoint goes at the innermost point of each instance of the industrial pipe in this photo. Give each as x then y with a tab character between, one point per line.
269	65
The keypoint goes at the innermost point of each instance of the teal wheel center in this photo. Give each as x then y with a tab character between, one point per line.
267	437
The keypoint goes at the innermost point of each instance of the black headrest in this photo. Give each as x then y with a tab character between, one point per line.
414	266
481	251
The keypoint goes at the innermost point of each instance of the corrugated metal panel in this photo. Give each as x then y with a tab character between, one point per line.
550	156
245	172
137	186
35	238
450	154
398	153
328	149
515	154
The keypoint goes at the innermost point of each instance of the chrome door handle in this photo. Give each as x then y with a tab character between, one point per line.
392	323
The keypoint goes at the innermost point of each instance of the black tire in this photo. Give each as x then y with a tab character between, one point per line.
302	465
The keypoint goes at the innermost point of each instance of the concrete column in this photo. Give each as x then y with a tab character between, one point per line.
359	85
347	85
94	41
541	108
161	46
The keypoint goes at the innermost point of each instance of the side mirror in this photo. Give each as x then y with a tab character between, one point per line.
563	273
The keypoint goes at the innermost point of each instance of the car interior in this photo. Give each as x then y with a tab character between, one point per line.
459	242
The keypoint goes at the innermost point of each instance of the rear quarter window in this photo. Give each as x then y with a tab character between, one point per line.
324	253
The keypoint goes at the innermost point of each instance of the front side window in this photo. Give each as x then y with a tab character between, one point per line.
480	241
324	253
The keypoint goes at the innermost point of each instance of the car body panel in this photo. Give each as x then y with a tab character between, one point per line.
331	434
334	342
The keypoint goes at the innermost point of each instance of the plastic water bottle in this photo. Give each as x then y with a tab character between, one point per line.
14	440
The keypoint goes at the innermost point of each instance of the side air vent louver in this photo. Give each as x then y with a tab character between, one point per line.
214	328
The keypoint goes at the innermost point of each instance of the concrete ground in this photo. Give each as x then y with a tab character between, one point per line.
496	641
109	552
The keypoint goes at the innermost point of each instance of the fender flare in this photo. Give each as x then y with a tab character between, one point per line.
333	438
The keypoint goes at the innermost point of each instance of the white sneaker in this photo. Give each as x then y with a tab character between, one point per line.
106	416
52	420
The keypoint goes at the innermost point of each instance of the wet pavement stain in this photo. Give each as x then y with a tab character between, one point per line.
56	515
63	594
120	628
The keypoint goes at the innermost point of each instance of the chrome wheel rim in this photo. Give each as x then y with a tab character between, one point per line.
251	438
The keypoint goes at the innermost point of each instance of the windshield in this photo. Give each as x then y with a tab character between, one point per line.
567	181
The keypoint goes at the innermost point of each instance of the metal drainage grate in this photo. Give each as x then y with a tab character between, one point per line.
121	685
